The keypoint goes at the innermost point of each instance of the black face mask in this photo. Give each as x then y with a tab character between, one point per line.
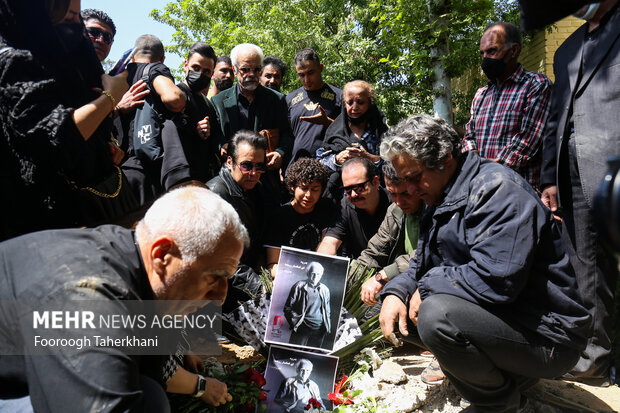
71	36
358	120
197	81
493	68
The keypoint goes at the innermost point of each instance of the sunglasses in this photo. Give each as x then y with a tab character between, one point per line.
361	187
95	33
246	70
247	166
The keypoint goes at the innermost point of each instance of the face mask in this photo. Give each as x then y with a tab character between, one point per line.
71	36
197	81
589	13
359	119
493	68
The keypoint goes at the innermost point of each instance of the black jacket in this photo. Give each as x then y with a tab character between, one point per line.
338	136
491	241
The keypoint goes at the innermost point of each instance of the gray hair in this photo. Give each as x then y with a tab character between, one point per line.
313	265
245	47
303	361
428	140
195	218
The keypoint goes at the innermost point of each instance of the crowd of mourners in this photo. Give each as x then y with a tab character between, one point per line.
484	246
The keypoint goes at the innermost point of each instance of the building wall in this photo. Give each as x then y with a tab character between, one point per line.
537	55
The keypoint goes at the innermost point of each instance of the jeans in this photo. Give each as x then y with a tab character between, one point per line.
487	359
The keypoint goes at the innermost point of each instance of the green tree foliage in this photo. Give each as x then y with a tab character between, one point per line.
385	42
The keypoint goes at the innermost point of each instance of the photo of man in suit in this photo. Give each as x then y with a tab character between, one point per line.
307	309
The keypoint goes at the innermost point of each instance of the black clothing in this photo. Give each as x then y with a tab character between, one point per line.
43	156
303	231
250	205
102	263
148	179
301	102
202	154
356	227
338	136
488	359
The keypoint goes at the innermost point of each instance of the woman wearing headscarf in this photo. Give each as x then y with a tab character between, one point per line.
357	131
55	130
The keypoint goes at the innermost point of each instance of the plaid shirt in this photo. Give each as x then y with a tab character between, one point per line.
507	124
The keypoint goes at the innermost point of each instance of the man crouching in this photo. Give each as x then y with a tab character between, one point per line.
490	291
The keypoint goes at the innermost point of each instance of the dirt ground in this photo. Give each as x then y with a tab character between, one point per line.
548	396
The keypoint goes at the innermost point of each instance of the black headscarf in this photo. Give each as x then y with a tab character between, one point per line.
338	136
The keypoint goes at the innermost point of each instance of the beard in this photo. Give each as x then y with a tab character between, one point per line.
223	84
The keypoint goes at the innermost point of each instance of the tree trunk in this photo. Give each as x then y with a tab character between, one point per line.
442	90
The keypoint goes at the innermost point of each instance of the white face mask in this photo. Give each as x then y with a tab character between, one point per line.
587	12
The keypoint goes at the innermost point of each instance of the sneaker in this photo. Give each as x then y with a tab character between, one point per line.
432	374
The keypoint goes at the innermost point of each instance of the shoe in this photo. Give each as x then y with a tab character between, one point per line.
432	374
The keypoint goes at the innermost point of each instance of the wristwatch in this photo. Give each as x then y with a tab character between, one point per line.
200	387
379	279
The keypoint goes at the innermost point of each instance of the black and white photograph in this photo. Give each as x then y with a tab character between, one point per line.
294	377
307	297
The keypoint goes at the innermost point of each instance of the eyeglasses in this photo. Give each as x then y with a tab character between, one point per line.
245	70
361	187
95	33
247	166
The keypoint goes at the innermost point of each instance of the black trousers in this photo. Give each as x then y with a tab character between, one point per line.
595	267
308	336
487	358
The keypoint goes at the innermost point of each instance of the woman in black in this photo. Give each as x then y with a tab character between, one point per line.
54	126
357	131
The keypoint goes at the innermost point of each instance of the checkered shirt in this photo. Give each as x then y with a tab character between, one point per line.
507	123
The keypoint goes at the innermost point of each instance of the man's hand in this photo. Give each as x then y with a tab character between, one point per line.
134	97
318	119
393	310
216	392
549	197
371	288
274	160
414	307
204	128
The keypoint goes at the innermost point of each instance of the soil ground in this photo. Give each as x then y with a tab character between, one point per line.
548	396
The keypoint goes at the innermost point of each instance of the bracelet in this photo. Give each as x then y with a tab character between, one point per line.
108	94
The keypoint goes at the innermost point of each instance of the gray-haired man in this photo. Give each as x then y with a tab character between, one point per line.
490	292
307	309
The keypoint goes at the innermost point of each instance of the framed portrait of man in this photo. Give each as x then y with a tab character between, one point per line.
294	377
307	296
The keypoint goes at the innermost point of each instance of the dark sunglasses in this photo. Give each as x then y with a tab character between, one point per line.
247	166
358	188
95	33
246	70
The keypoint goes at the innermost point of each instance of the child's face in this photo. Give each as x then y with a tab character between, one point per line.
305	196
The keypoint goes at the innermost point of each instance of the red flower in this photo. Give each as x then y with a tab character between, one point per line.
262	396
257	379
337	397
313	404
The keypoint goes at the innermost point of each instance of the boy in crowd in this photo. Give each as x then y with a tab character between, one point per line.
302	221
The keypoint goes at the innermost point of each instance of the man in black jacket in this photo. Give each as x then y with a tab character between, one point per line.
199	129
239	184
183	256
490	292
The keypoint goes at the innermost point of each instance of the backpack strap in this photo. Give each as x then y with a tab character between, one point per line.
145	72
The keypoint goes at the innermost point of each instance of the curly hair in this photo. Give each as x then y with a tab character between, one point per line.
306	171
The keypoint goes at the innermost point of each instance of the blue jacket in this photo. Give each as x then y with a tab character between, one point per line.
491	241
